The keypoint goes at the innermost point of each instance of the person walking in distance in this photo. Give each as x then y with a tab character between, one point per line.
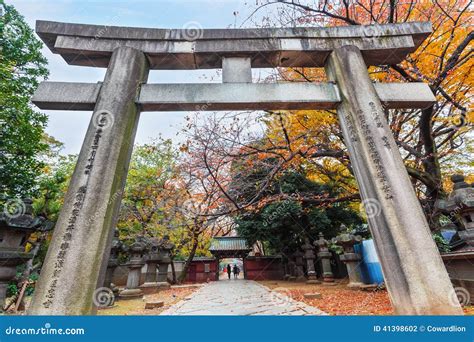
236	271
229	270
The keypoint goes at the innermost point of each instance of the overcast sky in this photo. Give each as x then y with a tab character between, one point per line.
69	127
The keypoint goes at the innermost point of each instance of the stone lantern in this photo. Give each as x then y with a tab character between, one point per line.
164	261
151	266
351	258
291	268
325	255
459	260
309	257
137	260
299	263
113	263
158	257
460	205
15	230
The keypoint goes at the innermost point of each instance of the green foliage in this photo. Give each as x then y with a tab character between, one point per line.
441	243
52	186
283	225
22	67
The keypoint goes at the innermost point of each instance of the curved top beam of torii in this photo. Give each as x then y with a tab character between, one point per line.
197	48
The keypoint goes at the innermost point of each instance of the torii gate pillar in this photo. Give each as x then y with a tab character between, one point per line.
75	262
398	225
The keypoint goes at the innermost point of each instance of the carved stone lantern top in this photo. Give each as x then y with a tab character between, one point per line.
159	249
138	249
17	222
166	244
154	250
347	241
321	243
21	217
461	198
460	204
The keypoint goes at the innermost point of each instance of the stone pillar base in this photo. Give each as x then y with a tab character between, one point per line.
313	281
355	286
329	283
153	287
131	294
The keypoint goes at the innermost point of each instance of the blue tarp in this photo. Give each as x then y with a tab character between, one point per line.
370	268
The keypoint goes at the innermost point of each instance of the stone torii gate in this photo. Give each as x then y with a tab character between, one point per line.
77	257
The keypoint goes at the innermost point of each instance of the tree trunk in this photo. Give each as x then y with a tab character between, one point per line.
184	273
26	274
173	272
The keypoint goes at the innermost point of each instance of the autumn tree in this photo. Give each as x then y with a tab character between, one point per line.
435	141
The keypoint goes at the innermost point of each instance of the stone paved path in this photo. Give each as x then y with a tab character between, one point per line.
239	297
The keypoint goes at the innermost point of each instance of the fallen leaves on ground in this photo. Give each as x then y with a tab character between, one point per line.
469	310
338	299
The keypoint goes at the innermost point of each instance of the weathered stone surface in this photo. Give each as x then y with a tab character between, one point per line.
78	254
66	95
154	305
350	258
368	287
240	297
92	45
325	256
261	96
236	70
414	272
15	230
314	295
309	257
